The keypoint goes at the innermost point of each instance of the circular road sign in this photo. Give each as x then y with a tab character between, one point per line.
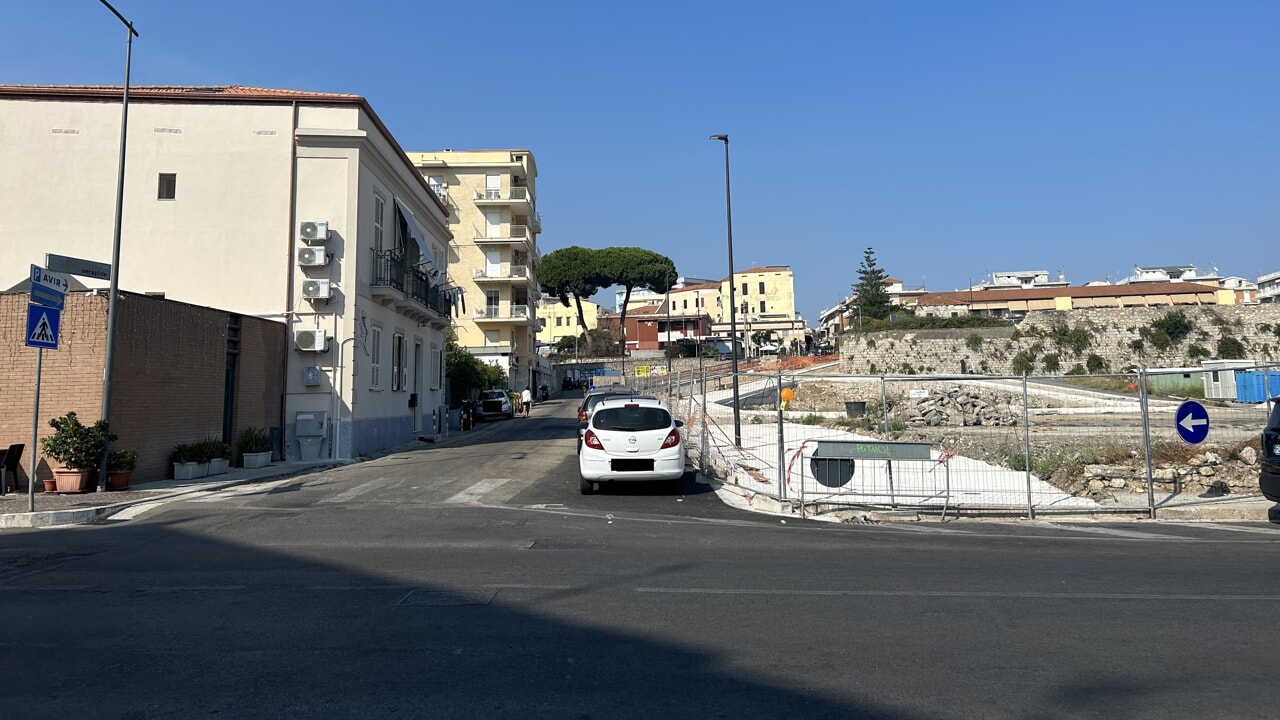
1192	421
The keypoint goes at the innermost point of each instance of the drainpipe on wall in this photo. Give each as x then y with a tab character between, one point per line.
288	296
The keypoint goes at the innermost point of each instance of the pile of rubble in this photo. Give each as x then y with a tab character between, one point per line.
959	406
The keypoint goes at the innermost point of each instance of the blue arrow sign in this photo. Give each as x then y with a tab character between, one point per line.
1192	421
42	326
49	298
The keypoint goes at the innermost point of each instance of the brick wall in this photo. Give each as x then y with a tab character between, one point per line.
168	376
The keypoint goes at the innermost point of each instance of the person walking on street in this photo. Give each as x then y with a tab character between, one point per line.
526	399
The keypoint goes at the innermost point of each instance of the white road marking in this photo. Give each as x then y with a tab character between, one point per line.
472	495
357	491
242	491
1231	528
954	593
1118	533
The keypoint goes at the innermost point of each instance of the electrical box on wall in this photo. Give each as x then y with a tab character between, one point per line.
311	376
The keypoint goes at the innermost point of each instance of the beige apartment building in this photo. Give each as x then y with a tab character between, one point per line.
559	321
292	206
491	197
765	298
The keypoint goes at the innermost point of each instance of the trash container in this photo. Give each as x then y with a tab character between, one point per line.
832	463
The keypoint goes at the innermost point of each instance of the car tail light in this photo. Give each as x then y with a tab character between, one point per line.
673	439
582	414
591	441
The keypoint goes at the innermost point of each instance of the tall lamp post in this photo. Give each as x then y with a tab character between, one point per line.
668	344
130	34
733	304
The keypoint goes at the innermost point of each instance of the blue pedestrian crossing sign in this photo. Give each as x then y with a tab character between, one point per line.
1192	421
42	326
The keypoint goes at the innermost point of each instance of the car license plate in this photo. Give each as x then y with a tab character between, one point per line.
1275	450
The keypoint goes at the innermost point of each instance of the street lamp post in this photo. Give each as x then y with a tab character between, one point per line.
130	34
668	345
733	306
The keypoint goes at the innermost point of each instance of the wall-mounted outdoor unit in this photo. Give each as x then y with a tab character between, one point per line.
311	340
314	232
312	257
317	290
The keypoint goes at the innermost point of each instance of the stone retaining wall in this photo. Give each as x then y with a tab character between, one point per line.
1110	334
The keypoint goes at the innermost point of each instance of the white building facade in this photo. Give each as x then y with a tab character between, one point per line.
272	203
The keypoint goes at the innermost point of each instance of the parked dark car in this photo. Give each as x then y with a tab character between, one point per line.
1269	474
495	403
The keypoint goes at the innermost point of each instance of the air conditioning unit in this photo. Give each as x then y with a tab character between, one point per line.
312	257
311	340
314	232
317	290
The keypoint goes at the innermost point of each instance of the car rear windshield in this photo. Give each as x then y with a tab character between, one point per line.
632	419
1274	422
593	400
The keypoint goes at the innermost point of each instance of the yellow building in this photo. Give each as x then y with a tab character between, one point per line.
765	298
491	196
559	321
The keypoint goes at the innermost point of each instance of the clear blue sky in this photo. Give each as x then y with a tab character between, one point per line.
954	138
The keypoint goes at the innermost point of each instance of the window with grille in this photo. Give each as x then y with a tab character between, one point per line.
379	209
375	358
398	378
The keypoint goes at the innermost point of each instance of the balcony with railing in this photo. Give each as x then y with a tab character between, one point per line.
517	197
503	313
410	290
505	235
502	273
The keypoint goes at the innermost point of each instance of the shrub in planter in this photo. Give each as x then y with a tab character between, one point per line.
78	448
255	447
186	461
120	467
219	455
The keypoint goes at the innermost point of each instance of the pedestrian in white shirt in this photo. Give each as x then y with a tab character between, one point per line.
526	399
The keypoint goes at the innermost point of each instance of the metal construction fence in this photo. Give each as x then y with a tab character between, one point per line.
1026	444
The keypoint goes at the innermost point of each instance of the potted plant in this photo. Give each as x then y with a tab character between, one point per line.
186	461
78	447
120	466
255	447
219	455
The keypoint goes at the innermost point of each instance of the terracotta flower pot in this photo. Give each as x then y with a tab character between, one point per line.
119	479
73	481
51	485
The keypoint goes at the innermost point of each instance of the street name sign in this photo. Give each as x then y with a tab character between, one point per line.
78	266
1192	421
42	326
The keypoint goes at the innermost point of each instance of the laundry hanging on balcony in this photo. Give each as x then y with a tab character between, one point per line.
456	297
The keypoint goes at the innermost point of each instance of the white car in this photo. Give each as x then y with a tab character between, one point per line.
628	439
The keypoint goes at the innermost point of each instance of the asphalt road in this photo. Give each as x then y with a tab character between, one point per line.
474	581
